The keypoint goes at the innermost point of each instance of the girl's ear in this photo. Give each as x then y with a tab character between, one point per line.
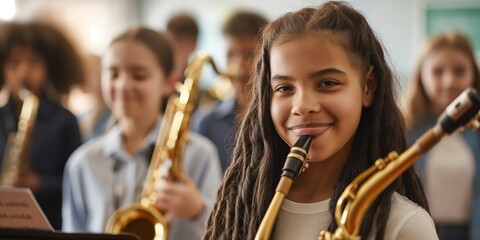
370	87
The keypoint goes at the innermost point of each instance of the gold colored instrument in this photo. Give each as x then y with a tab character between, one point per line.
15	162
365	188
222	87
143	218
296	163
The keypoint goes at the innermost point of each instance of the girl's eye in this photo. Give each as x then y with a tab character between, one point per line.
113	75
459	71
437	72
327	83
139	77
283	88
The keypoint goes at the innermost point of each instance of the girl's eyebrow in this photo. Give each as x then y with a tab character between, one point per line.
312	75
326	71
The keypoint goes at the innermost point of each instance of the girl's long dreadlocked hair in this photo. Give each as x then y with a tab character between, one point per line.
259	153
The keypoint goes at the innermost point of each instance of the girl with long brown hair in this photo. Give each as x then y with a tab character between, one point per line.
319	72
446	66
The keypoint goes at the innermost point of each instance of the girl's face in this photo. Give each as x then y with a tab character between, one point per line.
24	68
444	75
133	82
316	90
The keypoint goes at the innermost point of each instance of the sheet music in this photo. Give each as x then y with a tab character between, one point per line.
19	209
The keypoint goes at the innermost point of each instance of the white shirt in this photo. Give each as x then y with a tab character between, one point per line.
92	182
450	171
305	221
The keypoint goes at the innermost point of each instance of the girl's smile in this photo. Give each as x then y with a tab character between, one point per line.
313	129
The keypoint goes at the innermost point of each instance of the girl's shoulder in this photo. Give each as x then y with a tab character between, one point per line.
92	152
408	220
200	157
200	143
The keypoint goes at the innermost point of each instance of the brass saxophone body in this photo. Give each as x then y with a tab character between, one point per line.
15	161
296	163
143	218
365	188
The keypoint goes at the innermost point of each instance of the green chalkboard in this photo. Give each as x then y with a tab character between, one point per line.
466	20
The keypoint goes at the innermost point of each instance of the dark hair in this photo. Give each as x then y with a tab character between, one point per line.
244	24
259	154
183	25
417	101
63	62
154	41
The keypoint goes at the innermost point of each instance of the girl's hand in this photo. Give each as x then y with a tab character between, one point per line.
179	199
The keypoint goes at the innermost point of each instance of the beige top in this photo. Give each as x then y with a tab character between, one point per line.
450	169
305	220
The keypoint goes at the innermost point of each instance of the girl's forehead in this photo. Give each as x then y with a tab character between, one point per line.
336	38
326	45
129	51
450	54
323	39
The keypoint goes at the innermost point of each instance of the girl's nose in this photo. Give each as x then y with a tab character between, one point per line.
448	80
123	82
304	104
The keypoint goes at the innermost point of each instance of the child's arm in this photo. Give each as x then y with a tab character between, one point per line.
202	178
73	208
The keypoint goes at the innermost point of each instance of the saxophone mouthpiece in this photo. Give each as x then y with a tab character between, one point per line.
296	159
460	111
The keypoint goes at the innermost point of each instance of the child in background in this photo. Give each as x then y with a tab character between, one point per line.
86	101
319	72
137	74
451	170
41	59
242	32
182	31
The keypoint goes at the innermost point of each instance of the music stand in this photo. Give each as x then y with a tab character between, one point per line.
34	234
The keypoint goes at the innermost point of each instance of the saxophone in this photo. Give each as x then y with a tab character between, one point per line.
143	218
365	188
15	161
295	163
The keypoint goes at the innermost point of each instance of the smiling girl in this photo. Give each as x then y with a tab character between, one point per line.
319	72
108	172
451	169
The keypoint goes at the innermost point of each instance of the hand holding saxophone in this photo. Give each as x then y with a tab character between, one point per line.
179	199
150	144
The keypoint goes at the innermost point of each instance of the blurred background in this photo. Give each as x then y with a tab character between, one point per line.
401	24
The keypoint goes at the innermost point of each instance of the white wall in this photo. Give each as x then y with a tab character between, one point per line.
91	23
400	24
395	21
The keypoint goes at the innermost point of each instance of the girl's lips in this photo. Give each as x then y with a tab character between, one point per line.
310	130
